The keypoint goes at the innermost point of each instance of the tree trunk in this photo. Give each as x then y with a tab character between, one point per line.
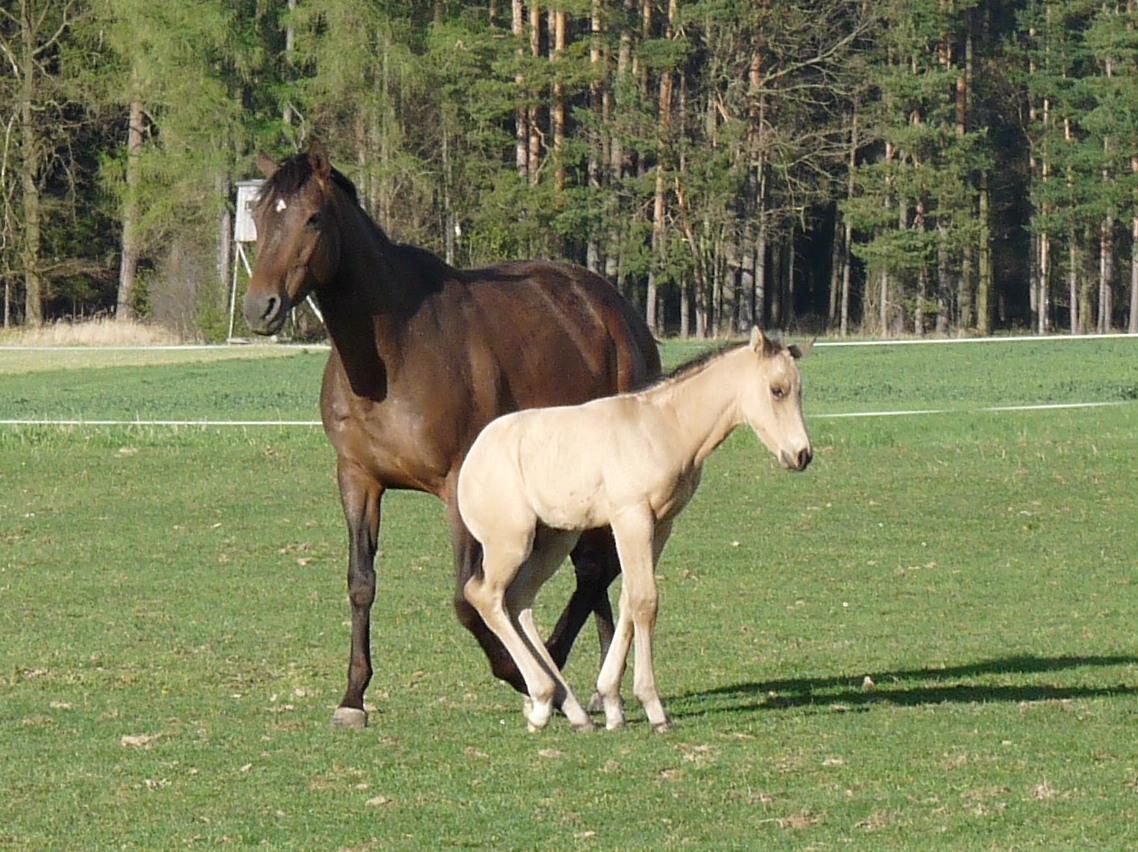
521	117
617	159
1043	298
984	286
128	266
664	134
762	239
1073	281
29	171
557	101
755	227
1105	274
847	230
534	147
1132	327
596	134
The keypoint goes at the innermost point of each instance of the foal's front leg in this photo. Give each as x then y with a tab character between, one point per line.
639	540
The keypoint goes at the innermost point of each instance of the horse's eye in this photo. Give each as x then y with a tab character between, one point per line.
314	221
778	392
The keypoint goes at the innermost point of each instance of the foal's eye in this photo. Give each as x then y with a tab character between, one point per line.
778	392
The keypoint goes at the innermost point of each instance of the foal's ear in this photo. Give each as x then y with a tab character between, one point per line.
318	159
802	351
267	166
761	343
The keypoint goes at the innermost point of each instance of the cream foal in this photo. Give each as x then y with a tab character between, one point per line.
535	479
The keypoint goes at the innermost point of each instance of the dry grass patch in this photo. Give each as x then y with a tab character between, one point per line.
96	332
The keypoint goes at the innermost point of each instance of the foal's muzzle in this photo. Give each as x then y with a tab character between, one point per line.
796	461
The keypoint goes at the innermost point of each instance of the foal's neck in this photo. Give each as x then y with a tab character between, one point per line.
705	405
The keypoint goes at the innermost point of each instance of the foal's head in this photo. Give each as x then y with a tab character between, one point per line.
771	400
298	241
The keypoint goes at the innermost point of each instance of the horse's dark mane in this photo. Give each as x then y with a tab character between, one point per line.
294	172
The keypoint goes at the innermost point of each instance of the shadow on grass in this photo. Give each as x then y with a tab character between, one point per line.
965	684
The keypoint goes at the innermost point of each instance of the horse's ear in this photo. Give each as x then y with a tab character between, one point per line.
318	159
761	343
802	351
267	166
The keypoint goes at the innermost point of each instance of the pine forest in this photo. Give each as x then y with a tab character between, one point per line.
888	168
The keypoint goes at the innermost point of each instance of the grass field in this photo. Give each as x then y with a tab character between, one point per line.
174	627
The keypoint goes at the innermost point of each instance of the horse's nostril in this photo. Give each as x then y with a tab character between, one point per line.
804	458
270	307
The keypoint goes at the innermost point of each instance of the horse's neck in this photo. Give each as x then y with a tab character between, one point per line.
377	287
704	406
374	272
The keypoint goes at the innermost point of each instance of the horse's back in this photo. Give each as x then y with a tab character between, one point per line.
557	304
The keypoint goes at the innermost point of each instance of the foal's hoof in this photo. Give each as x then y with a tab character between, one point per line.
349	717
662	727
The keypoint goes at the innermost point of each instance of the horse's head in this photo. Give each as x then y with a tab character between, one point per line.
298	240
772	401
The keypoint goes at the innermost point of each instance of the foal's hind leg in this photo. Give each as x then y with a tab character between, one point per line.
467	562
596	565
487	594
549	551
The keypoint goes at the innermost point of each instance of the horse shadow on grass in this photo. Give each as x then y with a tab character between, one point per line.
972	683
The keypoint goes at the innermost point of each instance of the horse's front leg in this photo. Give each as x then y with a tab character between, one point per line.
360	495
467	564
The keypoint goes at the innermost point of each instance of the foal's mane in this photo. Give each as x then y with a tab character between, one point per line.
694	365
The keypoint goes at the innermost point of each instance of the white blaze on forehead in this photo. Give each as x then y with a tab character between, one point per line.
281	206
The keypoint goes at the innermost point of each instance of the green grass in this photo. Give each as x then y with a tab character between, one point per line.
174	630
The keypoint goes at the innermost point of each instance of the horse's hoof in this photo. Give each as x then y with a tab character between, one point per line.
662	727
349	717
585	727
535	729
596	703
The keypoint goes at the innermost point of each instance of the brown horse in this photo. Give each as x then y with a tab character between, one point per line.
423	356
535	480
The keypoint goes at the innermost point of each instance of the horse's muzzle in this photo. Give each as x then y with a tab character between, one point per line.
796	461
265	314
